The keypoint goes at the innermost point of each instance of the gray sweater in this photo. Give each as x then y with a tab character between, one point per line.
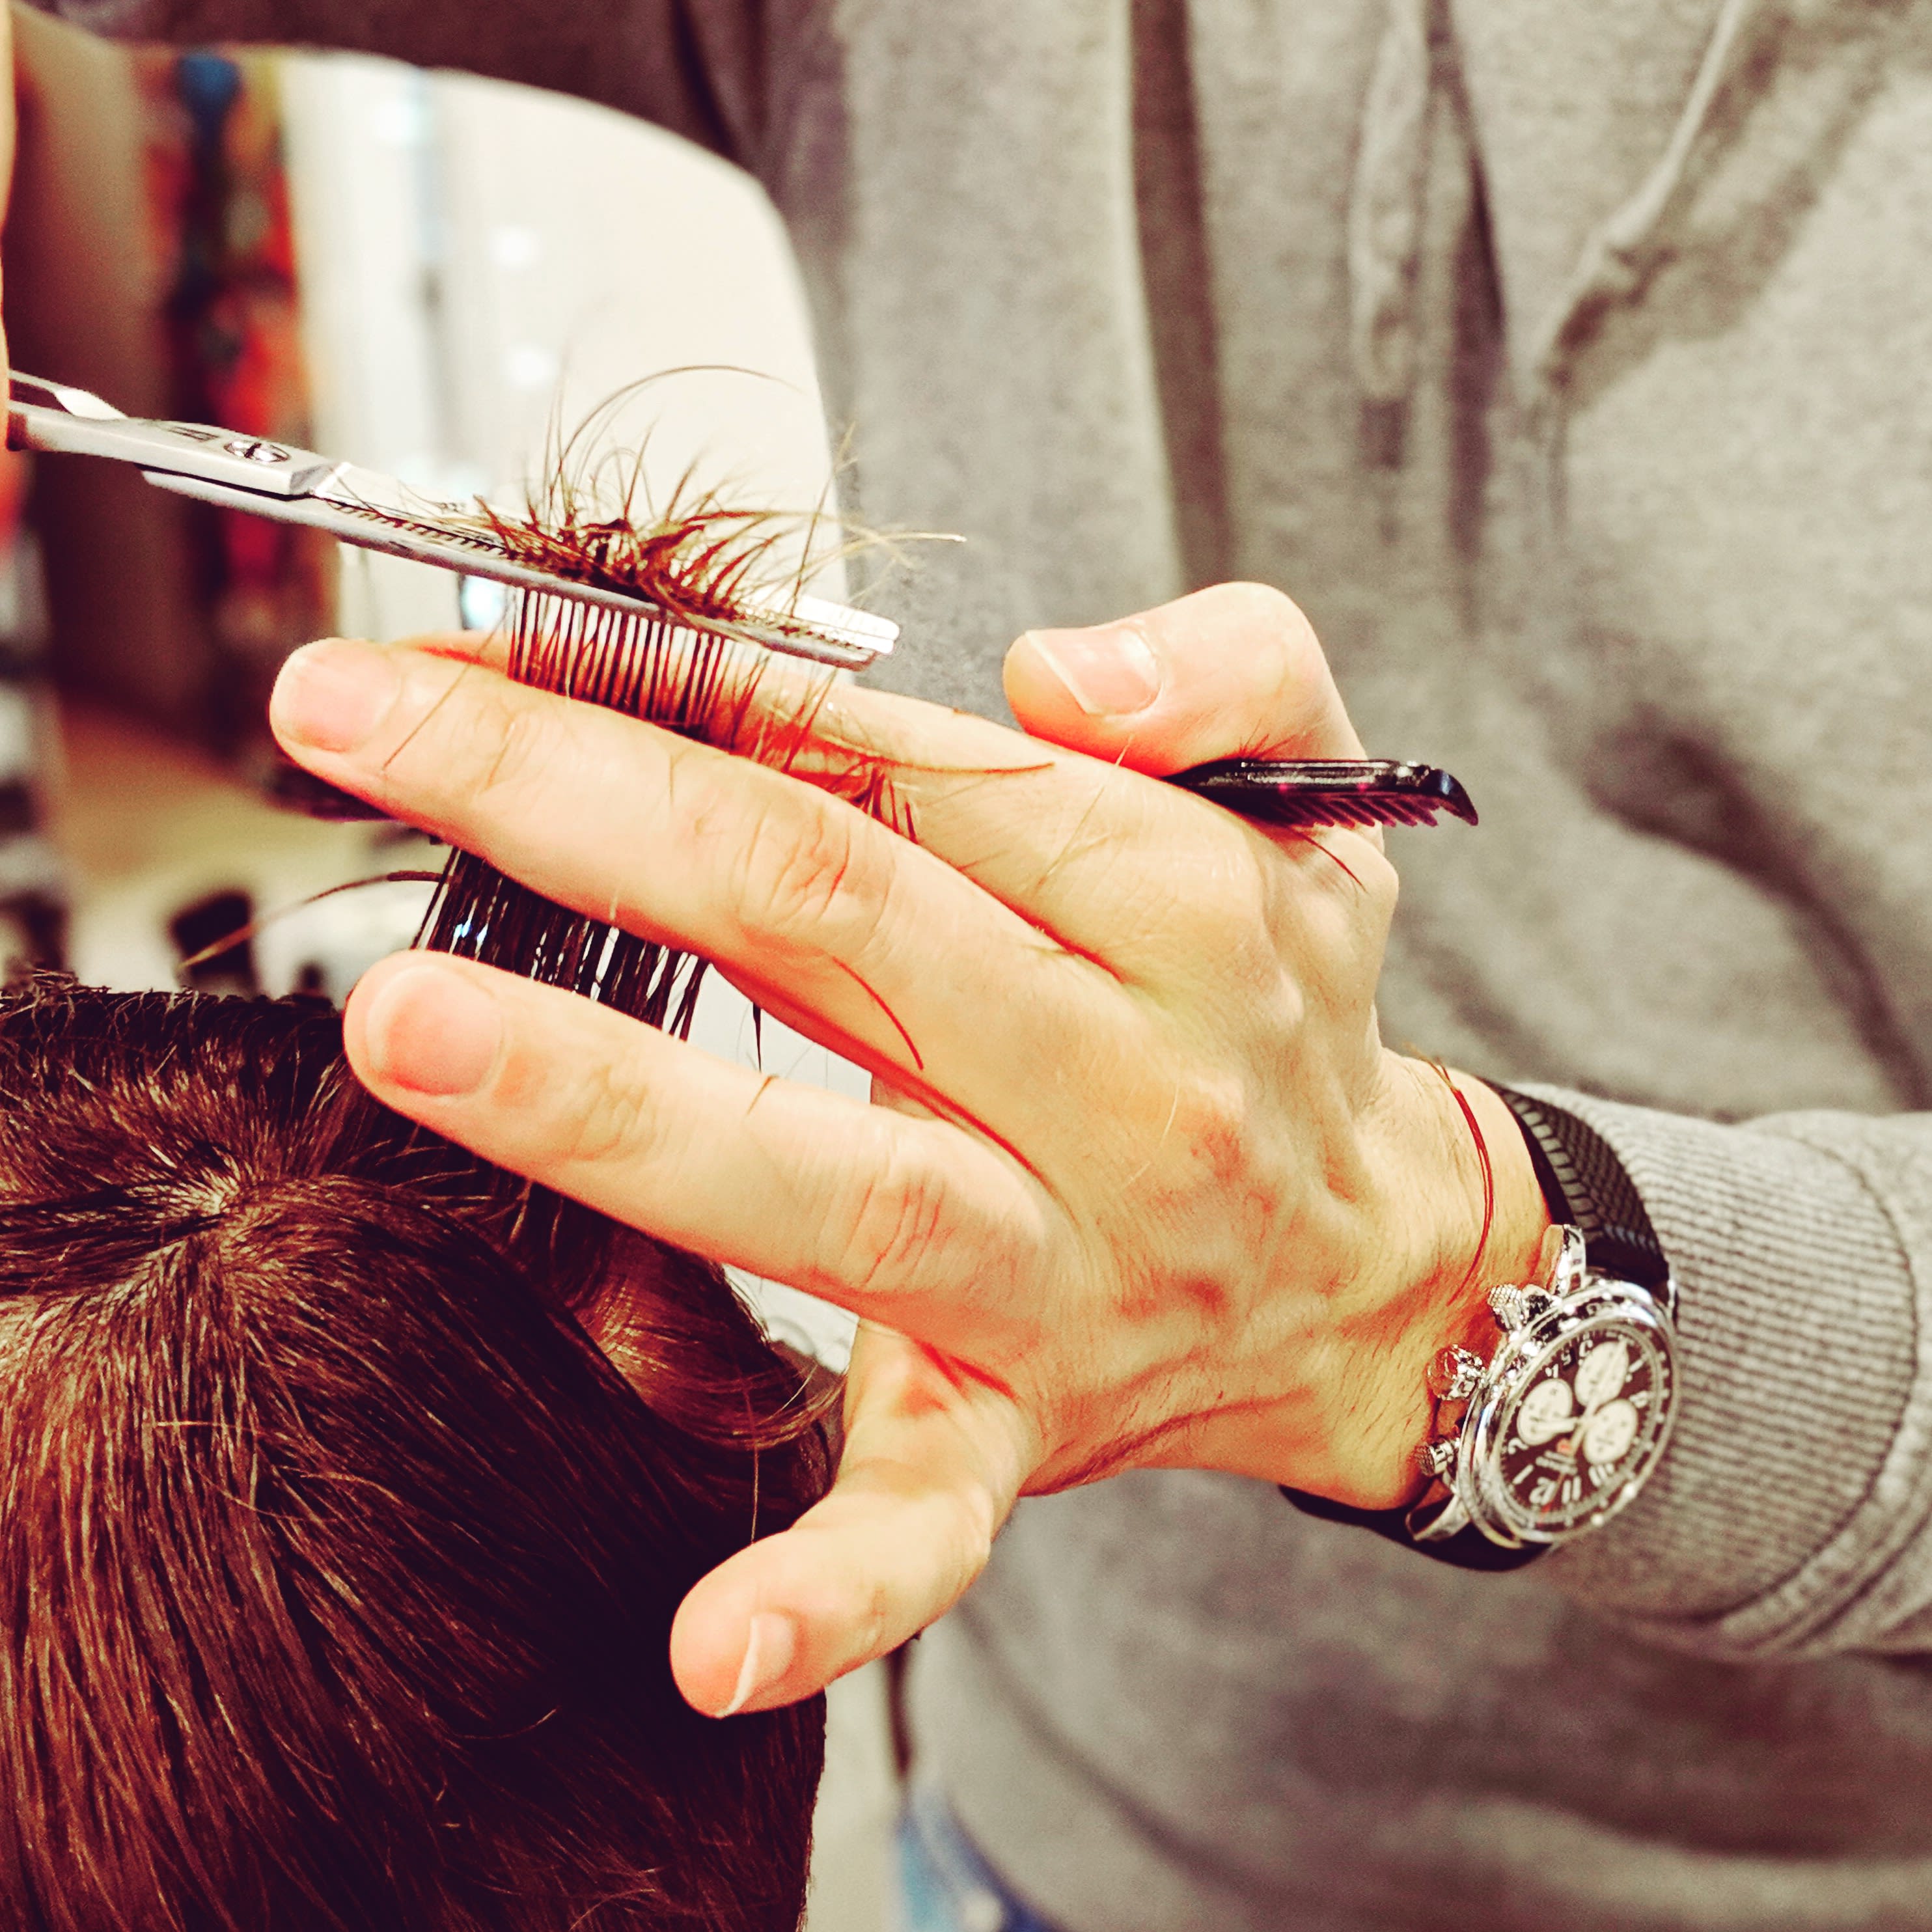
1573	366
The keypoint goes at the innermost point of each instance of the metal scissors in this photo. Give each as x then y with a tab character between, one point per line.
365	508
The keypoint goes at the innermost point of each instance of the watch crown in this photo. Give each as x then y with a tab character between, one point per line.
1453	1375
1436	1458
1516	1307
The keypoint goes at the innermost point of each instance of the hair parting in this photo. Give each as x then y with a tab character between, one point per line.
350	1488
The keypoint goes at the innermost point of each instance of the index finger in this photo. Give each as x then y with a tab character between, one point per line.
810	904
1087	852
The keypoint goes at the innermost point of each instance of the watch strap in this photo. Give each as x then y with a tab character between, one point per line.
1585	1186
1468	1549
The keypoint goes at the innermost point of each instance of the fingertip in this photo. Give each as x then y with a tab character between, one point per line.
1042	704
419	1025
771	1649
707	1649
1236	668
355	1008
331	696
730	1654
1083	686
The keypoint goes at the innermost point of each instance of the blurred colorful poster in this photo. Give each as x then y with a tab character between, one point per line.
217	198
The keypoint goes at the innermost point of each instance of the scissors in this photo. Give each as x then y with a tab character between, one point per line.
365	508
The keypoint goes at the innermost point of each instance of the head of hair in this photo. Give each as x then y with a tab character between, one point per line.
339	1561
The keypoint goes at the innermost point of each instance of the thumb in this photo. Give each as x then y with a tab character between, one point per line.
933	1460
1233	670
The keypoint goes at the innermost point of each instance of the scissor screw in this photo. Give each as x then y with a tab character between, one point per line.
255	451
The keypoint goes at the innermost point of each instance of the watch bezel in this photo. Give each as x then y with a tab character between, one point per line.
1598	1301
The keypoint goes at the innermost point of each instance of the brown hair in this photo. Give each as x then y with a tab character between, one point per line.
339	1562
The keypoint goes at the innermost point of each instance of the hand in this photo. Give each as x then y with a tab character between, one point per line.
1145	1188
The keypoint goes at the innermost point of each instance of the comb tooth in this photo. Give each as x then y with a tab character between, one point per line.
619	656
606	659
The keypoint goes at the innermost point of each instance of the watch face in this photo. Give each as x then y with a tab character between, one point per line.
1582	1423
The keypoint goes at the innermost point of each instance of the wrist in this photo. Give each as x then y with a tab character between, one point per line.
1465	1185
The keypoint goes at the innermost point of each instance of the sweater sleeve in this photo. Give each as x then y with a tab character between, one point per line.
1792	1513
695	67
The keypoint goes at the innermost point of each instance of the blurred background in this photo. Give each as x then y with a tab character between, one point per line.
428	273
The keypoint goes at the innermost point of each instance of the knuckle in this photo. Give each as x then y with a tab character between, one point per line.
895	1219
972	1520
609	1118
524	753
1261	606
485	750
1264	614
1233	921
1330	898
803	874
1284	671
873	1621
1344	922
1382	889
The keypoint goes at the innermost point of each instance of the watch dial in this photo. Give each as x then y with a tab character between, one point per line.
1588	1421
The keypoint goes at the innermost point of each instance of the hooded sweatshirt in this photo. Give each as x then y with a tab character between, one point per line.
1572	368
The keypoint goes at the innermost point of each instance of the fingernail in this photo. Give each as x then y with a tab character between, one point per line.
432	1031
769	1652
1109	669
332	695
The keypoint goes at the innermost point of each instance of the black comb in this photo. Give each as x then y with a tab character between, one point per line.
1291	793
1309	792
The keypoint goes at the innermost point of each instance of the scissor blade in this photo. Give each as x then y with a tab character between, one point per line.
805	627
376	512
61	397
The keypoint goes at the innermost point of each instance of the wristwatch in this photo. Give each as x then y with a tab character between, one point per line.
1561	1426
